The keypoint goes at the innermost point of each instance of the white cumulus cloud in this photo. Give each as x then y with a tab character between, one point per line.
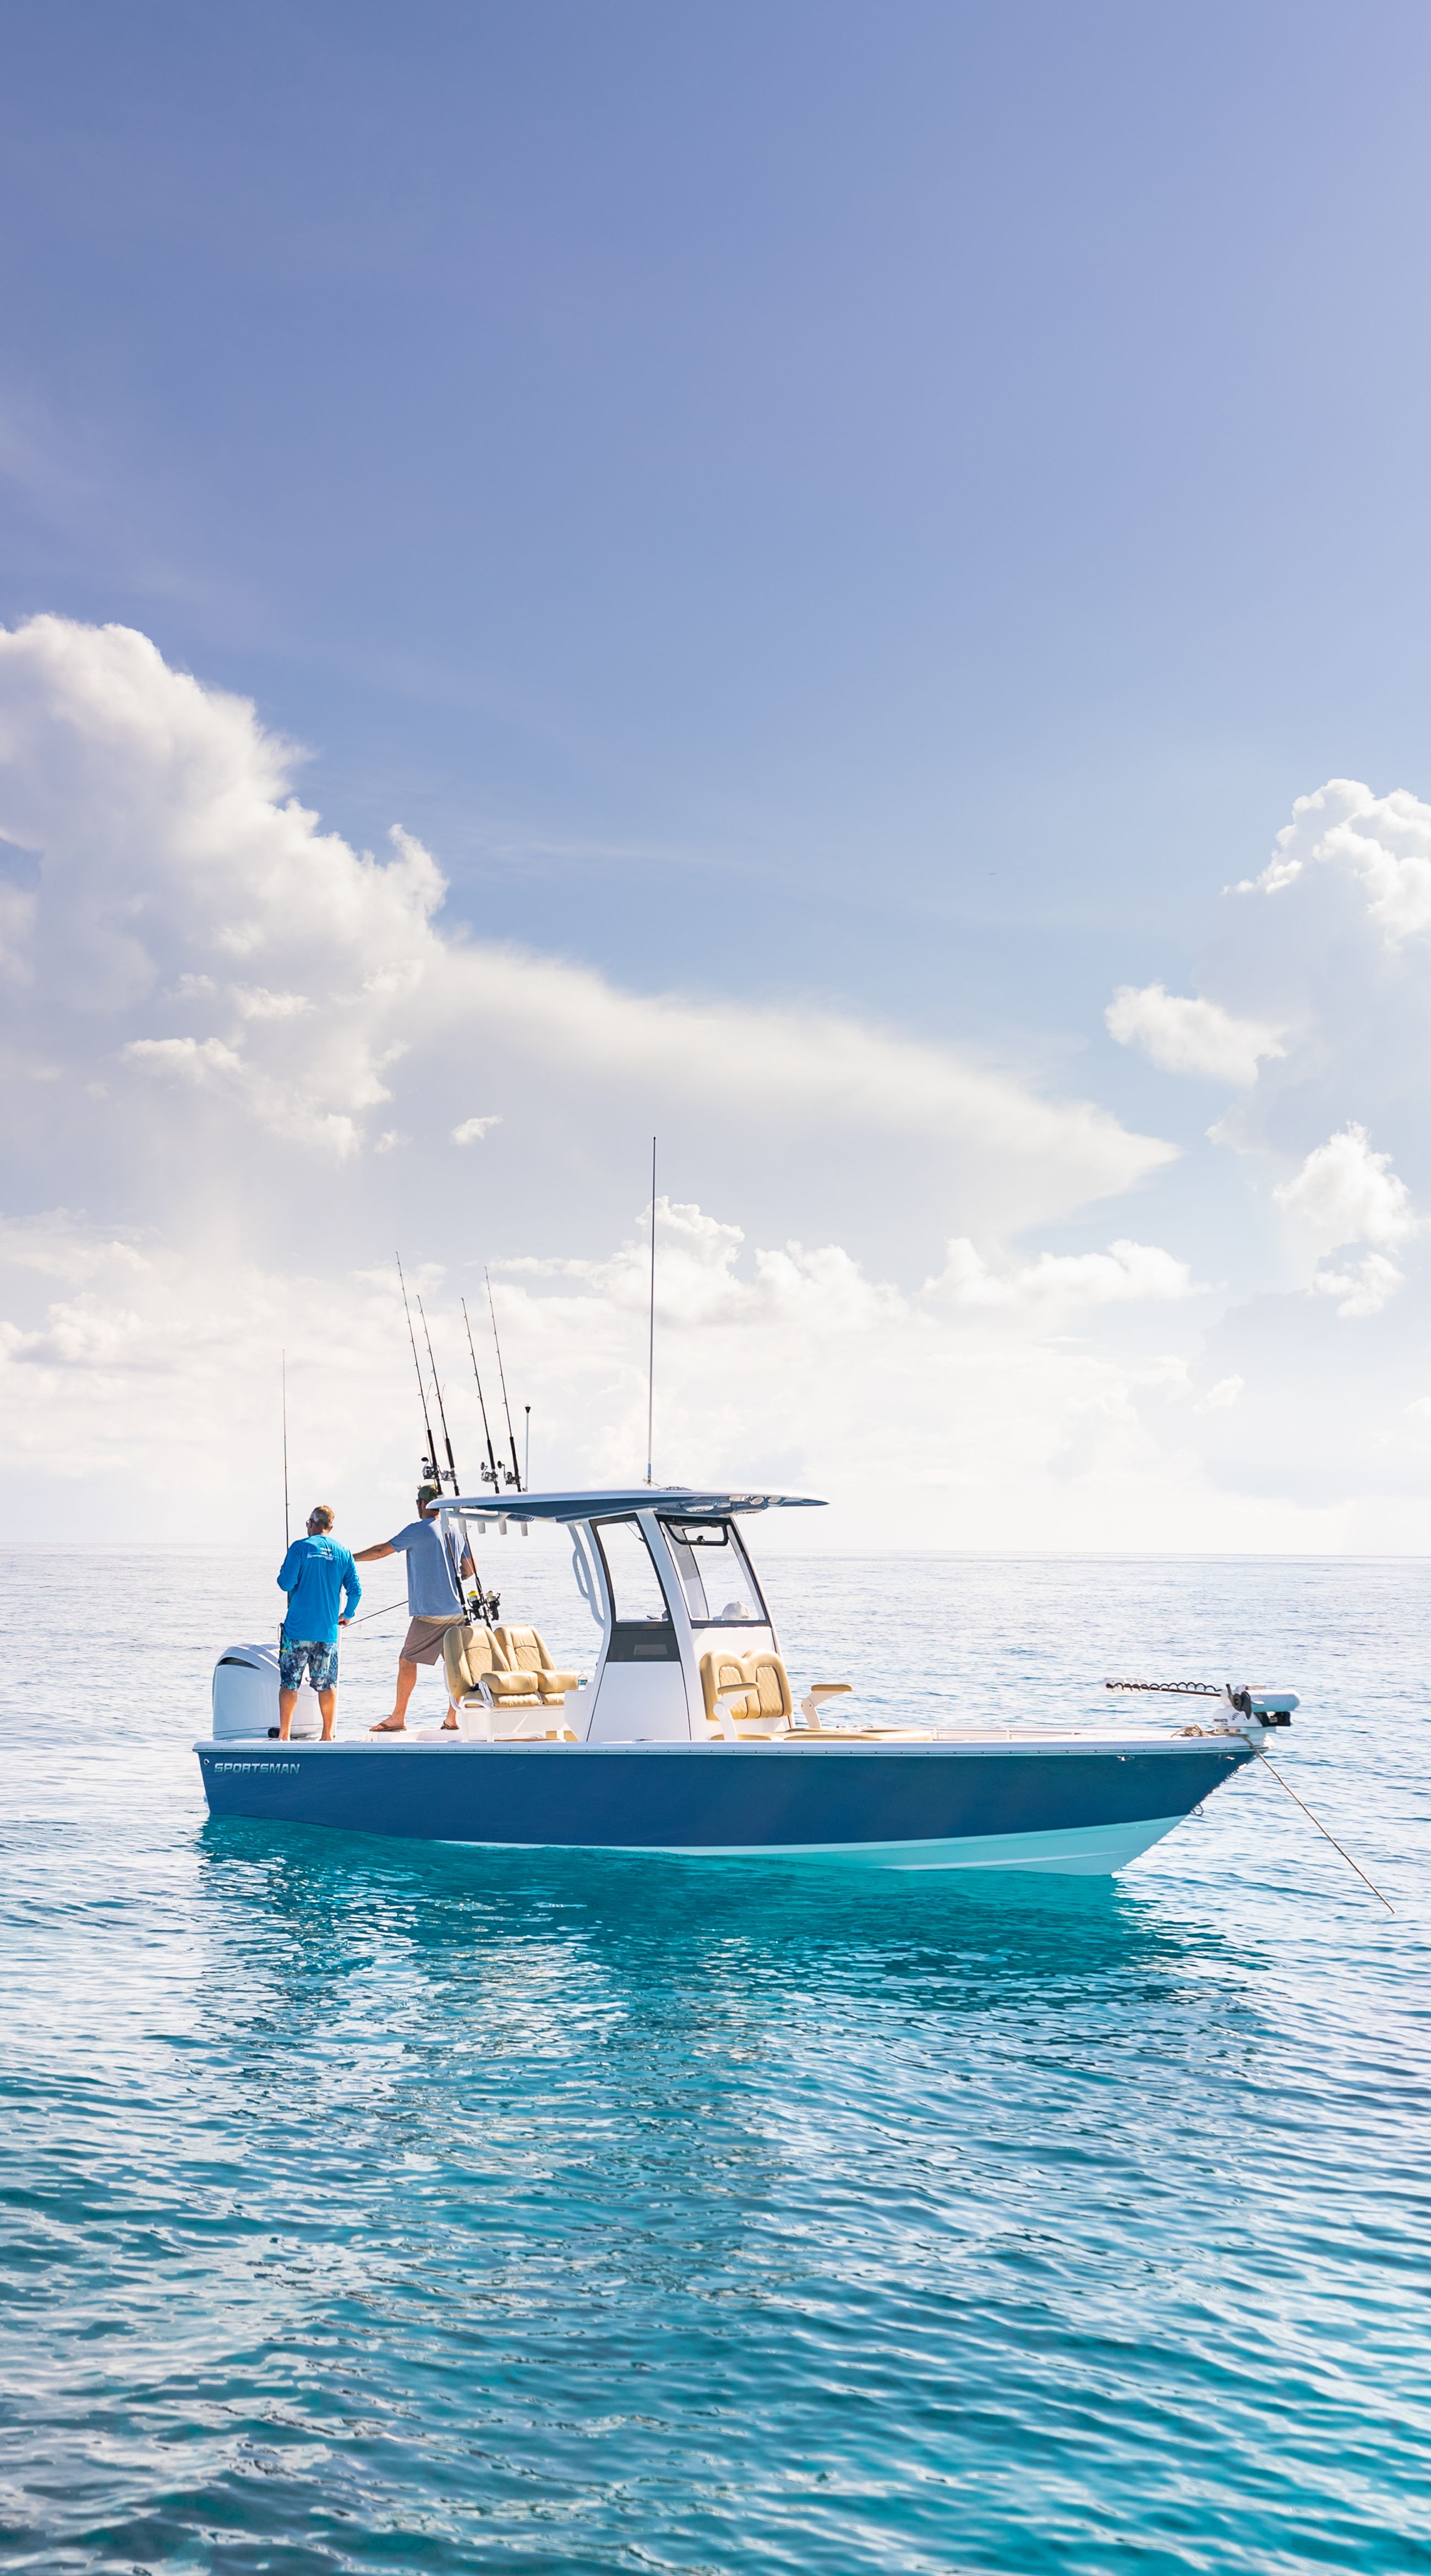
237	1052
1346	1192
173	848
148	1372
1184	1034
1364	1288
1382	843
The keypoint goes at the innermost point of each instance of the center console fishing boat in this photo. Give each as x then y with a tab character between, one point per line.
688	1739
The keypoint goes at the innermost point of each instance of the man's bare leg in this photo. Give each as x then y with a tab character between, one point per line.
406	1679
287	1702
328	1705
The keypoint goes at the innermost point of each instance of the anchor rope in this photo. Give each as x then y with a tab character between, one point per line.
1321	1828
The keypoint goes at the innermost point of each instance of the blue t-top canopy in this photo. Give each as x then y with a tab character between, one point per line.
683	1502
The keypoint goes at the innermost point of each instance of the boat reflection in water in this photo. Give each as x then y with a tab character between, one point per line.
688	1740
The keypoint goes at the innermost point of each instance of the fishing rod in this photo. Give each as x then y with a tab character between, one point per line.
491	1473
441	1408
430	1461
501	1372
364	1615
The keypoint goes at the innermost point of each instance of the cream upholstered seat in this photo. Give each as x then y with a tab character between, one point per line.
725	1687
524	1651
745	1690
478	1669
753	1691
770	1684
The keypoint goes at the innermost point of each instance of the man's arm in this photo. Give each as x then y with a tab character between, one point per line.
366	1555
352	1593
290	1569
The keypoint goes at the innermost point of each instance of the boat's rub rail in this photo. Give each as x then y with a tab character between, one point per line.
895	1738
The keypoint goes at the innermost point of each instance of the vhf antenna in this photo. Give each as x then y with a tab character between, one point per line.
501	1372
283	1380
491	1473
430	1461
651	1327
441	1408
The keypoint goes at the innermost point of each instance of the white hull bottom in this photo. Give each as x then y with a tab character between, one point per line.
1084	1851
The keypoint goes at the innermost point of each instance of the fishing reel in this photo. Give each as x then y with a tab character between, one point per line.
484	1605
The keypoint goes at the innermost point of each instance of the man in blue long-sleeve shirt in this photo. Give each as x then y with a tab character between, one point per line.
315	1574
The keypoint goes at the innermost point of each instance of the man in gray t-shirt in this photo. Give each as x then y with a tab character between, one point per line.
434	1599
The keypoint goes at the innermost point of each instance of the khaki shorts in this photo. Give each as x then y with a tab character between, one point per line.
423	1642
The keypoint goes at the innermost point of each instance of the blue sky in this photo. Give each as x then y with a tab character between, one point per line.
911	494
882	510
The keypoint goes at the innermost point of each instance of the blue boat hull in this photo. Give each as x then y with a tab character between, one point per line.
914	1805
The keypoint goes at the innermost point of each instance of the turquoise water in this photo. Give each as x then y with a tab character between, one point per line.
371	2207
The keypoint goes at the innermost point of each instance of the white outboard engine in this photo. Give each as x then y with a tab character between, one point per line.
246	1695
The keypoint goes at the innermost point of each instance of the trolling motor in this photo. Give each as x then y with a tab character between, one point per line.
1271	1711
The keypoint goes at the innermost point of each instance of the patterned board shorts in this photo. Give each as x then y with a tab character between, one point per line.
299	1662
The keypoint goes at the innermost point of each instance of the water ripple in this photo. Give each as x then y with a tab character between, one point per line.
371	2207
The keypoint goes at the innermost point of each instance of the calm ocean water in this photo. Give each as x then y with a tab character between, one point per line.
372	2207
